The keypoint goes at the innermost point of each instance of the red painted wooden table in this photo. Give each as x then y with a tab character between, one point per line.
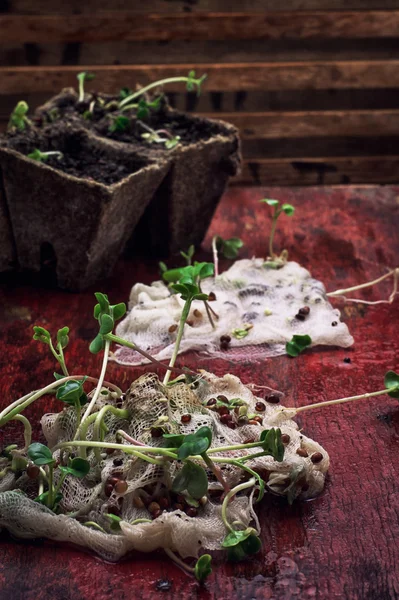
344	544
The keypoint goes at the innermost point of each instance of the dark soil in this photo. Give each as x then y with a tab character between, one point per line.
81	157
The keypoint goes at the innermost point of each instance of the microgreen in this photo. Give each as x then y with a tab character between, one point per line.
44	156
119	123
106	314
144	108
82	78
241	544
18	118
40	454
203	568
298	344
115	522
391	381
287	209
241	332
229	247
125	92
42	335
78	467
191	81
271	443
159	136
191	477
188	255
71	392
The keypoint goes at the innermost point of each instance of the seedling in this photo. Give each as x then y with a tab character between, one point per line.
188	256
18	118
229	248
82	78
119	123
297	344
241	332
191	82
273	260
203	568
42	335
44	156
160	136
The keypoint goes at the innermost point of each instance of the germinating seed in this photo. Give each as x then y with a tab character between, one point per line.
316	457
302	452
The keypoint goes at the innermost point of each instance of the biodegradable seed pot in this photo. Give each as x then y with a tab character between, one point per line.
78	208
7	250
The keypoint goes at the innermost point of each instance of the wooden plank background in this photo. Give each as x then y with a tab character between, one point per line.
312	85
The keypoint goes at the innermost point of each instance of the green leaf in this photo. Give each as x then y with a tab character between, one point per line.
41	335
203	270
57	376
251	545
270	202
43	499
85	76
78	467
391	381
272	444
38	156
172	143
103	301
62	337
236	537
119	123
298	344
18	463
203	568
71	392
163	268
115	521
229	248
241	544
173	440
191	477
172	275
125	92
97	344
40	454
106	324
195	443
288	209
118	311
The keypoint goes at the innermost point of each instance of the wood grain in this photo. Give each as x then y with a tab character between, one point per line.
128	26
221	77
302	171
343	545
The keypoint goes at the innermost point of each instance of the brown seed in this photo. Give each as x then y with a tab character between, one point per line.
153	507
109	451
211	297
260	407
138	502
117	462
32	471
211	402
181	499
273	399
316	457
163	503
231	425
285	438
156	432
172	328
114	510
178	506
223	410
225	419
190	322
224	346
300	317
249	441
185	418
113	480
121	487
258	419
225	338
253	422
197	313
305	310
156	514
222	398
302	452
108	489
334	323
191	511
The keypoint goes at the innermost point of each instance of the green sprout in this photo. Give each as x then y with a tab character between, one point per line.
287	209
229	248
241	332
160	136
187	255
44	156
203	568
298	344
119	123
191	82
42	335
145	108
18	118
82	78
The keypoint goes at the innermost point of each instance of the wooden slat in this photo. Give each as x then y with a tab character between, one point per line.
326	171
232	77
269	125
127	26
168	6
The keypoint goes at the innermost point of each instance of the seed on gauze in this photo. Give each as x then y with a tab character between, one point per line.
285	438
185	418
137	502
260	407
172	328
121	487
154	507
316	457
197	314
211	402
211	297
273	399
302	452
32	471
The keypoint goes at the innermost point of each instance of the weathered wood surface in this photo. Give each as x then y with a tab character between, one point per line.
342	545
128	26
231	77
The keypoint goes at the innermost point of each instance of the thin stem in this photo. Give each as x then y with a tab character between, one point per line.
123	447
27	429
129	438
99	385
272	232
208	312
340	400
78	411
138	521
243	486
179	561
94	525
150	87
235	447
183	319
81	90
117	412
393	272
60	482
118	340
216	471
215	255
